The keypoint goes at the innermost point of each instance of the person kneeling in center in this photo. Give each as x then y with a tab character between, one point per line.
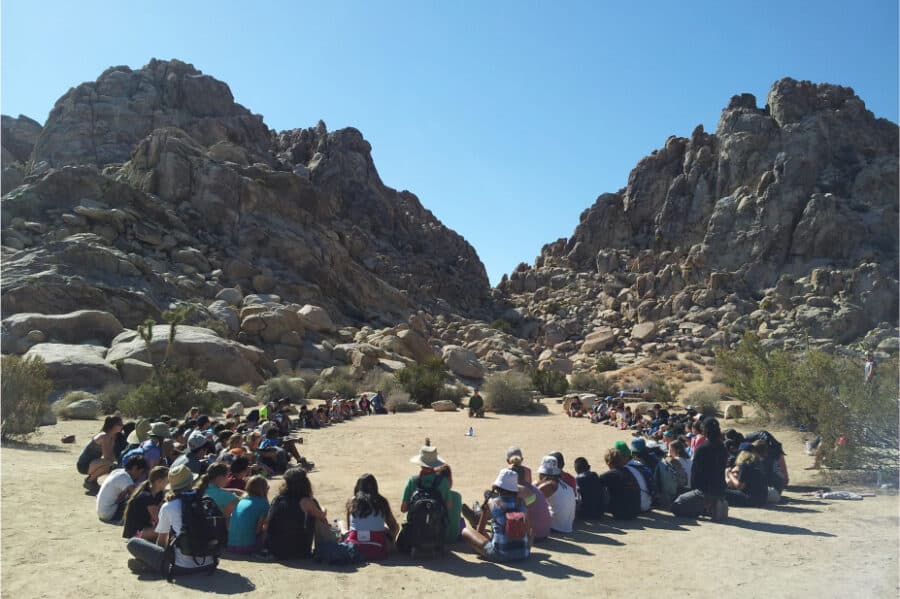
510	537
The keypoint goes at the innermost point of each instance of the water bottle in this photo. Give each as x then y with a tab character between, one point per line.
476	507
336	529
470	432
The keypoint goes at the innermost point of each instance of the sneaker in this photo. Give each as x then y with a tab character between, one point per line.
470	516
92	486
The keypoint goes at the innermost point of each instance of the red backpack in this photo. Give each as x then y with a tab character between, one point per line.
515	528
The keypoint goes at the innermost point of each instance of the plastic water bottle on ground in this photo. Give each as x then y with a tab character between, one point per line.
336	529
470	432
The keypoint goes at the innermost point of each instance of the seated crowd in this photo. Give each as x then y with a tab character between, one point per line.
187	492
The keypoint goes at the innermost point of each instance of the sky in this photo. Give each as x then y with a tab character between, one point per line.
506	118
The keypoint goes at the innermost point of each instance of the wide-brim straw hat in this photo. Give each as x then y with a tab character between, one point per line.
180	477
140	433
427	458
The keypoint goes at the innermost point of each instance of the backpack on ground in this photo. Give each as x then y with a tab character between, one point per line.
204	532
426	523
515	527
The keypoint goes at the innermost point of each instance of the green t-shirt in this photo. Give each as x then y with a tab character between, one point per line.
427	480
476	402
454	513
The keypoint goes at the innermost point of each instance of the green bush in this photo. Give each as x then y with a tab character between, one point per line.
172	391
605	363
61	406
549	382
509	393
826	393
705	400
24	395
664	391
339	382
502	325
217	326
424	381
592	383
400	402
111	396
282	386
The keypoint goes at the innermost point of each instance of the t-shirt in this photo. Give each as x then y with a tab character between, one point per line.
244	519
235	482
190	460
562	507
222	497
443	486
108	497
754	481
138	516
152	453
708	469
590	495
476	402
506	549
624	494
568	479
453	515
170	522
634	468
290	531
538	510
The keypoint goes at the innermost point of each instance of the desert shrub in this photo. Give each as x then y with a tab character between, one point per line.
665	391
592	383
508	392
400	402
423	381
826	393
172	391
24	395
669	356
705	400
605	363
282	386
377	380
339	382
110	397
217	326
549	382
454	393
502	325
691	376
61	406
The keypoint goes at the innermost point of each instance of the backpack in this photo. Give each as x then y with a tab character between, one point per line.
204	531
427	519
515	524
666	484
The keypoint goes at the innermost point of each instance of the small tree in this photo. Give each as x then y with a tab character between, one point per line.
24	395
605	363
549	382
424	381
510	393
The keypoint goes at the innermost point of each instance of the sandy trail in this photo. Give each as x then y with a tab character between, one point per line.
54	546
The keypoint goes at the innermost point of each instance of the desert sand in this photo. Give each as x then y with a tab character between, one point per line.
53	545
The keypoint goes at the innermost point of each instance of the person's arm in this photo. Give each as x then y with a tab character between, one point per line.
229	508
732	480
783	466
153	510
311	507
163	539
485	518
261	524
391	522
547	488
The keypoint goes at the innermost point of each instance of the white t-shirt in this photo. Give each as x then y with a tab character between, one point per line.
170	520
112	487
562	507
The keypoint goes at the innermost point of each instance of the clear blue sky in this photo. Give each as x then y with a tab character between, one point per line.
506	118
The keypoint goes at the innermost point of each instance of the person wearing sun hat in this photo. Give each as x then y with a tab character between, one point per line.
560	495
157	433
152	557
140	433
430	476
510	536
194	457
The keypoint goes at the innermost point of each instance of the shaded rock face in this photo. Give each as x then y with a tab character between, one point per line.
151	186
791	209
18	137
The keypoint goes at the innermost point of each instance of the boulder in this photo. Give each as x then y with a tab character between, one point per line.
271	325
316	318
134	372
563	365
362	356
415	346
462	362
83	409
230	395
600	339
216	359
734	411
75	366
231	296
223	310
643	331
444	405
74	327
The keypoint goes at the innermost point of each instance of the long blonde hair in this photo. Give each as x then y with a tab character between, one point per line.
745	457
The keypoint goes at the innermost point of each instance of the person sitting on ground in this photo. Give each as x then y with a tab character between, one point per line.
291	524
238	471
600	411
430	476
212	484
648	454
234	448
135	434
510	537
746	481
247	526
514	460
195	456
622	494
697	436
561	462
142	507
641	473
681	464
156	558
707	481
535	502
576	408
773	463
365	406
372	526
153	446
117	488
560	496
378	403
476	405
455	522
589	492
98	456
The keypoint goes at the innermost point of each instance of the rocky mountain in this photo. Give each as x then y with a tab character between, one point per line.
784	222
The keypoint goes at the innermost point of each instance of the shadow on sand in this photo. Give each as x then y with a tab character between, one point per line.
220	582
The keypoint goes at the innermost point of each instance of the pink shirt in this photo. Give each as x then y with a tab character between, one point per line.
696	441
538	510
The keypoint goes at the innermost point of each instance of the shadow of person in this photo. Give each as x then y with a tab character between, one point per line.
779	529
792	509
453	564
541	564
220	582
17	444
560	545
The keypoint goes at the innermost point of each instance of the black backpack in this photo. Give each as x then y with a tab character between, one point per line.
427	519
204	532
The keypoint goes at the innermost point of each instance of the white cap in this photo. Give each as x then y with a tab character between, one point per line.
549	466
507	480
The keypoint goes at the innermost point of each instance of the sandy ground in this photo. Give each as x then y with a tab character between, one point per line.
54	546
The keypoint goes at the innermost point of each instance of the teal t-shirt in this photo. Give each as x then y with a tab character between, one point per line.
222	497
427	480
244	518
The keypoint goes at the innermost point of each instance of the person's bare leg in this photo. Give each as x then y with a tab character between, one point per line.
476	540
98	468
